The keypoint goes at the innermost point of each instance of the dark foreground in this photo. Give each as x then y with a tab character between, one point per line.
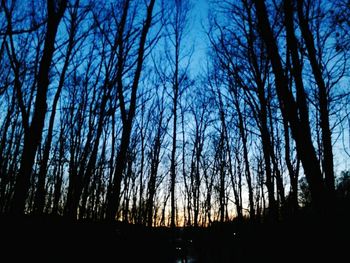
50	239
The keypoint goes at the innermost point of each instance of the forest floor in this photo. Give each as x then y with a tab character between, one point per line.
54	239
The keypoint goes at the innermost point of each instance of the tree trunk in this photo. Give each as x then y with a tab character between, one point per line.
113	202
266	145
173	155
328	165
93	157
293	174
305	148
32	137
59	175
40	193
4	177
243	136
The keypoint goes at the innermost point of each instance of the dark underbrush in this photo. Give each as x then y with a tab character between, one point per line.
51	239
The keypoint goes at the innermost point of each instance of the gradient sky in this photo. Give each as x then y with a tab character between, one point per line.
197	36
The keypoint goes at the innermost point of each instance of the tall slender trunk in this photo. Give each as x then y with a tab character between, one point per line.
141	206
40	193
262	118
120	166
113	202
59	174
4	177
188	197
111	163
11	167
173	153
78	167
293	174
236	172
174	132
155	159
32	137
305	148
328	164
243	136
266	145
84	188
274	160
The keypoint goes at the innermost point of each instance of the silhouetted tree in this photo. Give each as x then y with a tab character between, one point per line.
290	108
33	130
176	30
127	115
75	19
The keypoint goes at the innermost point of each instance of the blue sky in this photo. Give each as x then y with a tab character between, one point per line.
197	36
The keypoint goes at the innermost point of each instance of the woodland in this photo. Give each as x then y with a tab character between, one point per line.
124	135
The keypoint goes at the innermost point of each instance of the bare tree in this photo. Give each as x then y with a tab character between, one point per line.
128	114
33	130
175	56
290	108
75	19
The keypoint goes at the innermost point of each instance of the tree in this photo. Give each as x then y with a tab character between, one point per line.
242	59
75	19
157	116
34	129
176	30
323	102
201	116
128	114
290	108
